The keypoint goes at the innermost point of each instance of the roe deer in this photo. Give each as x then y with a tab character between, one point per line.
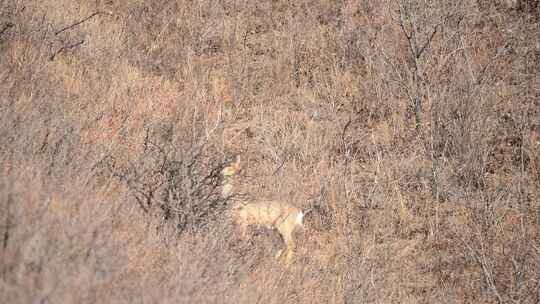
279	215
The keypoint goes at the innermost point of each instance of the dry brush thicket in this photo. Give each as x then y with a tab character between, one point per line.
411	127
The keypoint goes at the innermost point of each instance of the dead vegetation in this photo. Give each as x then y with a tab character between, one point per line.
416	125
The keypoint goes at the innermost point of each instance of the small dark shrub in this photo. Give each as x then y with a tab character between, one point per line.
182	187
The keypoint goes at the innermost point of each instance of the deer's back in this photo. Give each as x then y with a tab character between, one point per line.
269	213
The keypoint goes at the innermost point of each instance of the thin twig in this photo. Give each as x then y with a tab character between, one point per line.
279	167
8	222
344	132
77	23
66	47
6	27
427	42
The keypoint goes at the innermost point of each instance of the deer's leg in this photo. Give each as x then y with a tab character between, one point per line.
289	243
288	257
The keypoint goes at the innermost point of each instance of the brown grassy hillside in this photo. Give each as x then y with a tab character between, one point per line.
411	128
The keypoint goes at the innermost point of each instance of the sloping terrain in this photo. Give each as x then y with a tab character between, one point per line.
412	130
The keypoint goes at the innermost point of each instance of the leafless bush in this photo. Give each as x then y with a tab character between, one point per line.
184	184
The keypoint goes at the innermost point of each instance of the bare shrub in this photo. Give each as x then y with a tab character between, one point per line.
183	185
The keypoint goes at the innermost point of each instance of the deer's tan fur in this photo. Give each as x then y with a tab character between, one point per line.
272	214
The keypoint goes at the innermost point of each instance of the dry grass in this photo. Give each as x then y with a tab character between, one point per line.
413	128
